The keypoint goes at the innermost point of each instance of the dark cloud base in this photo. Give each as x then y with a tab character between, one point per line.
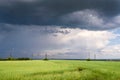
48	12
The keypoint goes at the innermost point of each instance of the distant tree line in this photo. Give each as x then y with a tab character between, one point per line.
10	58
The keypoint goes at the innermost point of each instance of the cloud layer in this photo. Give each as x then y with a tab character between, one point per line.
60	28
56	42
94	14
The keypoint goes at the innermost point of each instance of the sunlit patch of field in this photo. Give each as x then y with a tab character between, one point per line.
59	70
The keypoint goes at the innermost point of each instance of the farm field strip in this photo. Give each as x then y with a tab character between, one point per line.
59	70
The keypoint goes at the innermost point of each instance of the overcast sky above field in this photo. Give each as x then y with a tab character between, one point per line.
61	28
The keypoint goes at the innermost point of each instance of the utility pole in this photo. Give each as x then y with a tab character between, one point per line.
89	54
94	56
46	56
11	53
32	56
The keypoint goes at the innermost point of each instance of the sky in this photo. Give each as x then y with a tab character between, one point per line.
62	29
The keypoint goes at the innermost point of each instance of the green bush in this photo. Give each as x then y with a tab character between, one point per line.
23	58
88	59
45	59
10	58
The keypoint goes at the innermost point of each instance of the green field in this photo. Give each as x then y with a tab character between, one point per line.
59	70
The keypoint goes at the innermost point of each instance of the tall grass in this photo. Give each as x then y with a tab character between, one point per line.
59	70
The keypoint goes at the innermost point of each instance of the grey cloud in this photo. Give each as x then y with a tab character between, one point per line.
48	12
91	20
27	40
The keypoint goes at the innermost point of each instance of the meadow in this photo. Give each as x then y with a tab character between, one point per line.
59	70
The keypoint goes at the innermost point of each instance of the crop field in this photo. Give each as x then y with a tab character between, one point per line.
59	70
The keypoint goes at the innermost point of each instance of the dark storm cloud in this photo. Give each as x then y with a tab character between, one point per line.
49	12
37	26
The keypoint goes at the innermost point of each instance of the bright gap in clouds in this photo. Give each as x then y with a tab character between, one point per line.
57	42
